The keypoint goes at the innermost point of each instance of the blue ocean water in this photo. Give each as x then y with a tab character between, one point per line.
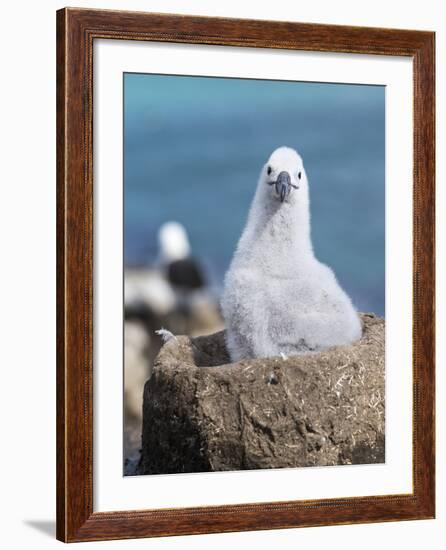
194	147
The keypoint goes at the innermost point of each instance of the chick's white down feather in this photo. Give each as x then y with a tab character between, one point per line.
278	298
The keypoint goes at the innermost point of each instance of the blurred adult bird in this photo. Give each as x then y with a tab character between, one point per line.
182	270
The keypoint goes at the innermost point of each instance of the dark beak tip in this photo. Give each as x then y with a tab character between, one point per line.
283	185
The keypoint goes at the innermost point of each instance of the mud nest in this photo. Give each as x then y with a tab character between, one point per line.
202	413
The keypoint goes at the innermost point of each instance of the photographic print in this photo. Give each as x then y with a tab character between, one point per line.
254	274
245	274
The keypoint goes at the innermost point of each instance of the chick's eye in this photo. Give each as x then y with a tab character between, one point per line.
299	175
269	170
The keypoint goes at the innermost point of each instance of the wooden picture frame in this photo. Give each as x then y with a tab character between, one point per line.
76	31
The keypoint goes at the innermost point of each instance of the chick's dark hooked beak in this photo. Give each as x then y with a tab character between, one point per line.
283	185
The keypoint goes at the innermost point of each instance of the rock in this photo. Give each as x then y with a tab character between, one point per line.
136	365
202	413
136	370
